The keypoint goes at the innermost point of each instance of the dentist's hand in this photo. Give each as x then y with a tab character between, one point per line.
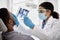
28	22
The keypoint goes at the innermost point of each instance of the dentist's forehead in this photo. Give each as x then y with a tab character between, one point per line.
40	7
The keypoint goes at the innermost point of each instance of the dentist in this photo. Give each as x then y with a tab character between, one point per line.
49	27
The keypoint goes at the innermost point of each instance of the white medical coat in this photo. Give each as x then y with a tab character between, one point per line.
51	30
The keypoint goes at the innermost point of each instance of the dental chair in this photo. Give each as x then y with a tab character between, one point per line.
3	28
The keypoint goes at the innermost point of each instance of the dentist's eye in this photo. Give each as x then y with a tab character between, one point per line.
41	11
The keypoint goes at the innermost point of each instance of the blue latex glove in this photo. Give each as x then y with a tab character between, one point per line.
28	22
16	20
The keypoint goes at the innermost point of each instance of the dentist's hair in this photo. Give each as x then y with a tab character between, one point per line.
4	15
48	5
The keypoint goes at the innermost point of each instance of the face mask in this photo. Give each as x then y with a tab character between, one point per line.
42	16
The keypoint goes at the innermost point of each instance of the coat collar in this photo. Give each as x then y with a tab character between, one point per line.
50	22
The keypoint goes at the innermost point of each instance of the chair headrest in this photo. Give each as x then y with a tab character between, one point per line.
3	27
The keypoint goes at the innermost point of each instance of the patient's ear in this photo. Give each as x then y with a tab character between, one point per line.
10	22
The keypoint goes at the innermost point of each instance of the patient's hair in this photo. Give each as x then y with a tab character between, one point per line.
4	15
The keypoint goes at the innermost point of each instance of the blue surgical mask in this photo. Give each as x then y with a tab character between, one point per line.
42	16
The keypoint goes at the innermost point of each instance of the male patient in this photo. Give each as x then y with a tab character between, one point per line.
10	34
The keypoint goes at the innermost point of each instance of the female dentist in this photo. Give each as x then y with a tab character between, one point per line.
49	27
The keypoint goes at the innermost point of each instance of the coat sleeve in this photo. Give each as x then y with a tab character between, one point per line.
38	32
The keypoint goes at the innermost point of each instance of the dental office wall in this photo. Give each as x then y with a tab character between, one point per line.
3	3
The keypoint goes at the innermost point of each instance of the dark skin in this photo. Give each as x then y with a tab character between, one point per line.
10	23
